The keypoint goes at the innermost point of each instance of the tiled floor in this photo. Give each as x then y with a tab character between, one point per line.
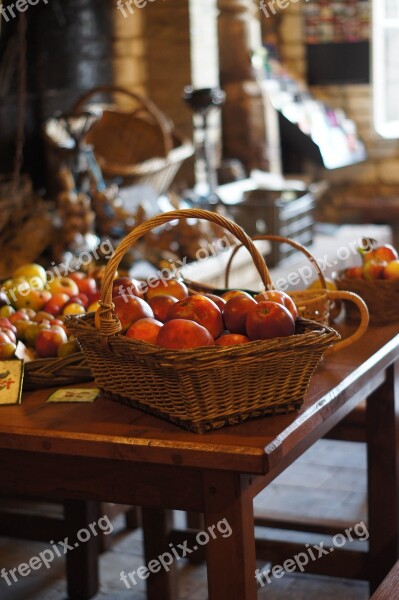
327	482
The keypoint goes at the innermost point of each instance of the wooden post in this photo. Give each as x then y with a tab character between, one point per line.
243	116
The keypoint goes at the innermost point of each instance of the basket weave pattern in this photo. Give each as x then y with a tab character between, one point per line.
53	372
381	297
203	388
140	145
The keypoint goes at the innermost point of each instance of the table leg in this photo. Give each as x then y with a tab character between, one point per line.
383	476
82	560
229	526
157	523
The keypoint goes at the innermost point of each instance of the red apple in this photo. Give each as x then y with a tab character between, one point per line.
161	305
130	309
179	334
374	269
269	320
200	309
384	253
391	270
232	339
145	329
86	284
231	293
79	299
218	300
169	287
55	305
49	340
93	298
31	332
127	286
19	315
354	273
235	313
280	298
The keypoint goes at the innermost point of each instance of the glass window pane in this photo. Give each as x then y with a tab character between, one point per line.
392	74
391	8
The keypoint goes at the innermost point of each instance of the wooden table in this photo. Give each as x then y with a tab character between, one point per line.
108	452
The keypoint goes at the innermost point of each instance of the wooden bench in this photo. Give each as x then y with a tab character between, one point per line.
389	588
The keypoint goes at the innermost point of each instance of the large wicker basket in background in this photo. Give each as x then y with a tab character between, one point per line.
380	295
202	388
137	144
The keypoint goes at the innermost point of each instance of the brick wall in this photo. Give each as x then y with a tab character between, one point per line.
379	175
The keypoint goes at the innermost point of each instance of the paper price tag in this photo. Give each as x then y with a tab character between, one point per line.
11	377
74	395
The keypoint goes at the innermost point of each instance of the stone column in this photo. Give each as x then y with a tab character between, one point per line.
243	115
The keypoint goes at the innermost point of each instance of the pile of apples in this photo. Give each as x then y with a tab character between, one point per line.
33	307
380	262
166	315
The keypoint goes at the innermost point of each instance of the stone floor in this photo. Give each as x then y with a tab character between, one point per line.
327	482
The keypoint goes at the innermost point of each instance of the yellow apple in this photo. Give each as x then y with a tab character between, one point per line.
63	285
31	271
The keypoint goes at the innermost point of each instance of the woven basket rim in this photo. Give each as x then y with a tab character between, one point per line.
307	333
340	277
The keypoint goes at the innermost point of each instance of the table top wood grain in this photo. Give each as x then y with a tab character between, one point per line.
106	429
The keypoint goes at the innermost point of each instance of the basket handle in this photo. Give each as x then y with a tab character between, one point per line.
364	317
281	240
160	118
109	323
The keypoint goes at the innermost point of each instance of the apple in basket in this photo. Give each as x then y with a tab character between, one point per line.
269	320
383	253
200	309
391	271
127	286
232	339
171	287
161	306
145	329
235	313
129	309
218	300
231	293
182	334
280	298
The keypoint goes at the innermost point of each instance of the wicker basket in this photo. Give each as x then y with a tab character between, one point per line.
320	305
53	372
139	146
381	297
202	388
